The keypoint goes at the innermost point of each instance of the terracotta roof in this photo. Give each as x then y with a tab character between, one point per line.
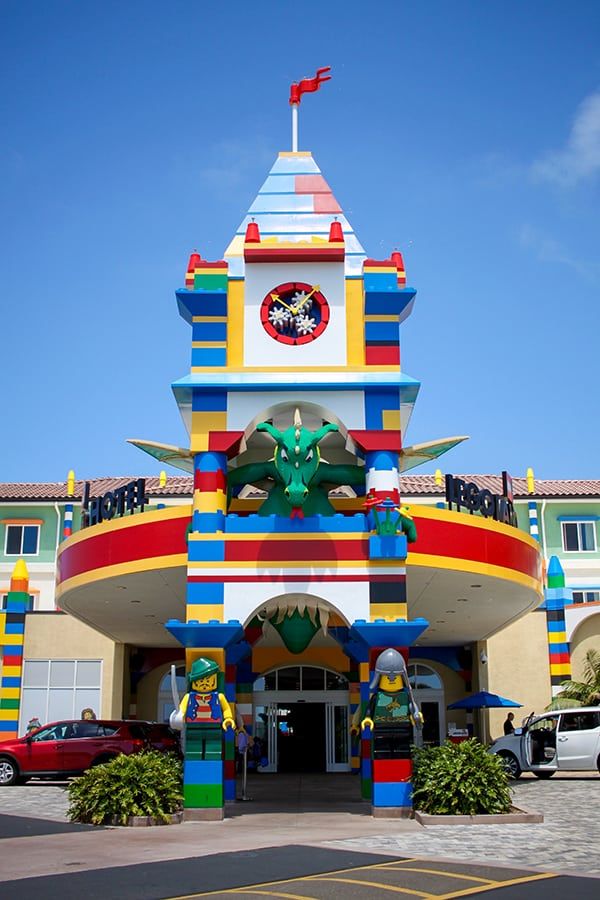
410	485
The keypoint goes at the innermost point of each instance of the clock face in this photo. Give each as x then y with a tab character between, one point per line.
295	313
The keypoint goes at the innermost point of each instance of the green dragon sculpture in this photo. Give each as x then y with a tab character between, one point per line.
301	480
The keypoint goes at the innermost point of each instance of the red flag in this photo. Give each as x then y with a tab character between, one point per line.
308	85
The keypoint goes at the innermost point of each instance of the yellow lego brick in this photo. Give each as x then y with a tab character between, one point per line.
363	671
192	654
557	637
235	331
210	501
204	345
9	715
560	669
220	319
355	327
13	640
204	612
388	611
391	419
12	671
203	422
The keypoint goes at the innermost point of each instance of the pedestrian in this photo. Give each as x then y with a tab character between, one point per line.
509	728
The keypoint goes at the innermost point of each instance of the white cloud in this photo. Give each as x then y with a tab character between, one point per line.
580	157
548	250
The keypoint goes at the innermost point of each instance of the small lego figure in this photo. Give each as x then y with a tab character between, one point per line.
203	711
392	711
88	713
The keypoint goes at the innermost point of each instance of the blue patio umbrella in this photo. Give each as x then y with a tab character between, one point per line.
483	700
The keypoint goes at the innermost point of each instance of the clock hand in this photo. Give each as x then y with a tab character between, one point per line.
277	299
297	309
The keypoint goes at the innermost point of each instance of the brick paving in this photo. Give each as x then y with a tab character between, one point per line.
567	841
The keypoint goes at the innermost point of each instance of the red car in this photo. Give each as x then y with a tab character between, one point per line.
62	749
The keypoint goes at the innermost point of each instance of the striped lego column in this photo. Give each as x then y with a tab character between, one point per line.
207	282
205	599
559	655
532	510
366	765
387	303
229	778
354	688
392	783
68	520
12	651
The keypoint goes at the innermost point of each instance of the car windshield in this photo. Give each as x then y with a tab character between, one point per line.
54	733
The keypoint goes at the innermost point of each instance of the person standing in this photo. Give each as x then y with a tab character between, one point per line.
509	728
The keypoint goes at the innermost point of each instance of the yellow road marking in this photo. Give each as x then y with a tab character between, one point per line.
495	884
271	894
401	868
378	884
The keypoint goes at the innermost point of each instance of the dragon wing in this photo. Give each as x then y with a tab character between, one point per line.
418	454
178	457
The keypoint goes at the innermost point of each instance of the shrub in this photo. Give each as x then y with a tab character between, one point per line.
143	784
459	779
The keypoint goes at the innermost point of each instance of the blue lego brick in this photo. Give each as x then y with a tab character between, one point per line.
209	331
556	626
381	459
392	793
381	281
381	331
558	603
209	401
201	303
388	634
205	593
388	302
329	525
557	594
229	790
202	771
205	634
210	461
387	546
560	647
14	627
8	726
11	681
209	356
206	551
366	767
208	523
375	403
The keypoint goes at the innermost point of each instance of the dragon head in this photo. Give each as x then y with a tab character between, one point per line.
296	456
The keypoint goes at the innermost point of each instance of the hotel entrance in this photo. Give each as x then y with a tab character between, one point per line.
301	719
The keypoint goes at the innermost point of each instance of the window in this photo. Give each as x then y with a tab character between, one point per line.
57	689
4	602
22	540
424	678
301	678
586	596
579	537
583	721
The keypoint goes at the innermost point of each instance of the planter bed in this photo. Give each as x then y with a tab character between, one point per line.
516	816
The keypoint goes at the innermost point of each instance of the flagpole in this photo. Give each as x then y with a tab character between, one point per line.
294	127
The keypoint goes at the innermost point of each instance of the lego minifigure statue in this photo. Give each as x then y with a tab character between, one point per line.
203	711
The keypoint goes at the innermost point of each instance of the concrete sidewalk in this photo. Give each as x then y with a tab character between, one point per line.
325	812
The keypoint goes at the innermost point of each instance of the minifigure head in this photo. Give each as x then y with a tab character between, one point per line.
390	671
202	676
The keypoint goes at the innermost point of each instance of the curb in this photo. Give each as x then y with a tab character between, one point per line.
517	816
147	821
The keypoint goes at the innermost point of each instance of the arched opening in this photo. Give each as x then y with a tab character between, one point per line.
301	720
164	703
428	689
585	636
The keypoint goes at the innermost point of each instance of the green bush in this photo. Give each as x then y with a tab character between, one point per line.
459	779
143	784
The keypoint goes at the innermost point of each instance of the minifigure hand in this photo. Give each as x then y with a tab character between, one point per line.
366	723
228	723
354	730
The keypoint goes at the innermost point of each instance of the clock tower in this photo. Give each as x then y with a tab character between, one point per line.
296	408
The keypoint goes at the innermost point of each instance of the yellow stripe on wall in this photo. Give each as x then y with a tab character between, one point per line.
235	327
355	329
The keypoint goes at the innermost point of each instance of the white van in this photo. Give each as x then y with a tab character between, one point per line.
567	739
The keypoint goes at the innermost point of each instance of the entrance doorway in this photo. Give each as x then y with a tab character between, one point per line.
301	737
301	720
428	690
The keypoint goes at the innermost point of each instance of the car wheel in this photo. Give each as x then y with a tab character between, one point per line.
9	772
101	760
544	775
511	764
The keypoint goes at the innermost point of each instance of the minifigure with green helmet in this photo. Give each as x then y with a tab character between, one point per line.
203	704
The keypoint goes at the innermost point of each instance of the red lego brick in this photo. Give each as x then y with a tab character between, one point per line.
229	769
392	770
382	356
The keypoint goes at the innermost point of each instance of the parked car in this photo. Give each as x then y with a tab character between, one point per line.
566	739
62	749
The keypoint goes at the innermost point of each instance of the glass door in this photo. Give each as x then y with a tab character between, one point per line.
265	736
337	737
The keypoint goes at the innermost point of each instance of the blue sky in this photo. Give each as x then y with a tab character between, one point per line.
467	134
